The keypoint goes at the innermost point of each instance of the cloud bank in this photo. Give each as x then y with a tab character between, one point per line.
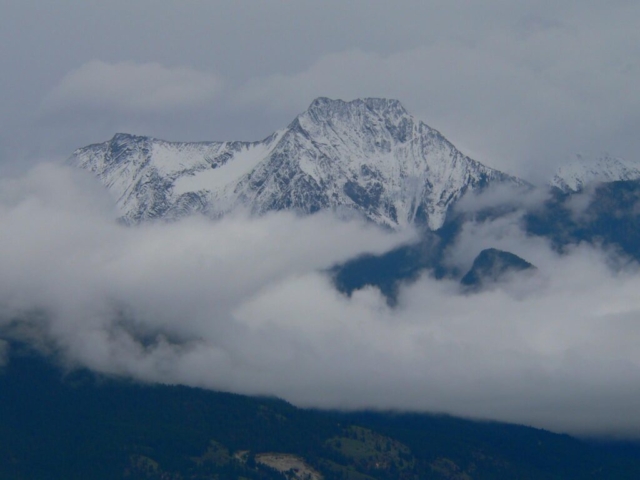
245	305
132	88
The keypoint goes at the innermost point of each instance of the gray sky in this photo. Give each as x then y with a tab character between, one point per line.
517	85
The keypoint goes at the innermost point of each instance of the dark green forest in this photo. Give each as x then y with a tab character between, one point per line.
59	424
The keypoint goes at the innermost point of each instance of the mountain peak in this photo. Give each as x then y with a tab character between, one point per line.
372	125
583	170
127	138
323	106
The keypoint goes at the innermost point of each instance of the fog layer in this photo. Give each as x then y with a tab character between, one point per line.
246	305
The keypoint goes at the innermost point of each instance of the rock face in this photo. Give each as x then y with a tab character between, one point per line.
490	266
584	170
368	156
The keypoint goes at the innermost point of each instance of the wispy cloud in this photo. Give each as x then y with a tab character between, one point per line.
131	87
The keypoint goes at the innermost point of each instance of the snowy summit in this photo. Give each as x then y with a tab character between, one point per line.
584	170
368	155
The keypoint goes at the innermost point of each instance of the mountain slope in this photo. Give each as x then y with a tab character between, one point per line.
368	155
608	218
74	425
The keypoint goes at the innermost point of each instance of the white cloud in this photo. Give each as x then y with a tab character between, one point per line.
501	196
133	88
243	305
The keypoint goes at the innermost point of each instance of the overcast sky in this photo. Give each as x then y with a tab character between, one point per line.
517	85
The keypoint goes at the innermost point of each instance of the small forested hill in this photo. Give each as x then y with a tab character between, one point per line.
492	265
79	426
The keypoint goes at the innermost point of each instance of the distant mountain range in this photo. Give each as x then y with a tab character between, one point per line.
371	158
368	156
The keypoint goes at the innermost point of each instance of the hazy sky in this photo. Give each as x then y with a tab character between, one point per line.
518	85
245	304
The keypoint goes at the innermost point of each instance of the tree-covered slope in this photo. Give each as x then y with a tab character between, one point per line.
76	425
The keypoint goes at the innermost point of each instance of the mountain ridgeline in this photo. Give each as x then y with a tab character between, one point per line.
368	156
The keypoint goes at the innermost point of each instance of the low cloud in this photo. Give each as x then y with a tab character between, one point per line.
504	233
501	197
129	87
245	305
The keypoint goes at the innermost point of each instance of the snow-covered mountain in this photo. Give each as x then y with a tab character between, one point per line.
368	155
583	170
